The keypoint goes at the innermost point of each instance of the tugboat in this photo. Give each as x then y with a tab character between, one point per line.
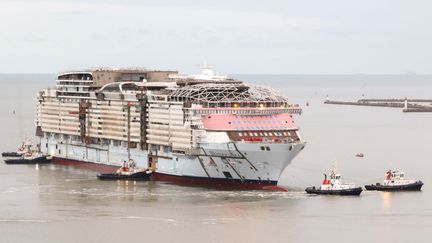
21	151
335	186
30	158
395	181
127	172
28	154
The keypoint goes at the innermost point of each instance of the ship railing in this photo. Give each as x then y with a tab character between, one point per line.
268	141
247	111
75	80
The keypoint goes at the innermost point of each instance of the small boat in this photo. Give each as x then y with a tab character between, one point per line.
127	172
30	158
360	155
335	186
395	181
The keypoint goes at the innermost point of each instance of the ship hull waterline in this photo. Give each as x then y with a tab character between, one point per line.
213	183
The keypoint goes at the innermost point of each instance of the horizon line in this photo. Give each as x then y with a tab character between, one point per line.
312	74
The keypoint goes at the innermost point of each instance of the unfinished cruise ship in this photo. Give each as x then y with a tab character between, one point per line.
203	129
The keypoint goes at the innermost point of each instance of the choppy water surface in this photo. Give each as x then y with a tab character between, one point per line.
60	204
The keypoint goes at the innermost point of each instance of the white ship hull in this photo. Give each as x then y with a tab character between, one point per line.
239	166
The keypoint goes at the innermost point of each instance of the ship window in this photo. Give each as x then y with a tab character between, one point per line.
266	134
227	174
229	122
262	148
250	134
267	148
256	134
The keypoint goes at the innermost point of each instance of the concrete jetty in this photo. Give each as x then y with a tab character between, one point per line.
407	105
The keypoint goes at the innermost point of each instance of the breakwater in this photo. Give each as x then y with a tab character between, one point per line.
407	105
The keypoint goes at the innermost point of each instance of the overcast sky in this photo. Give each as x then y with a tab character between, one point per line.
245	36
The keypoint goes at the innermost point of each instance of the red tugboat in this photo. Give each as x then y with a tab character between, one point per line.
395	181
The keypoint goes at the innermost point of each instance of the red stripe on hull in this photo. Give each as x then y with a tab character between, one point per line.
101	168
225	184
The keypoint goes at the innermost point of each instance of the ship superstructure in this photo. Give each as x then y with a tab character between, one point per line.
205	129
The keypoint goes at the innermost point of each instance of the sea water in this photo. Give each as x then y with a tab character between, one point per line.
50	203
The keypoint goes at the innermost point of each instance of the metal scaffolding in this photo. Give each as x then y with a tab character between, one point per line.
228	93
